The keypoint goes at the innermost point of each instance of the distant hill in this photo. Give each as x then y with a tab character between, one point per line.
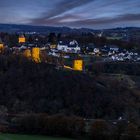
12	28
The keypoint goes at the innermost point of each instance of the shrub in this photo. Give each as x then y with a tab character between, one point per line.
100	130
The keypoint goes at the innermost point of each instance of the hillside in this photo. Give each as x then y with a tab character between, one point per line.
40	88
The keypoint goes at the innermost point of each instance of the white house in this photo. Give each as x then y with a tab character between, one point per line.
71	47
114	48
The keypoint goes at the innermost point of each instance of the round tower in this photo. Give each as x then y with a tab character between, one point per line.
78	64
36	54
21	39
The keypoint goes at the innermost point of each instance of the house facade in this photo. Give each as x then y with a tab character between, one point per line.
69	47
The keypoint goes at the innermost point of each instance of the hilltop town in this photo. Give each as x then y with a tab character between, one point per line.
70	70
75	80
73	50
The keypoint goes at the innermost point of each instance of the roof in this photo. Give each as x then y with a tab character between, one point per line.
71	44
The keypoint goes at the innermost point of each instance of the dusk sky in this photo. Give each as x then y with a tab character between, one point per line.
73	13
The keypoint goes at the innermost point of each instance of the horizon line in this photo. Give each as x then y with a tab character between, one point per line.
18	24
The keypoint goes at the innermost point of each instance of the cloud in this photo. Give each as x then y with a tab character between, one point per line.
60	8
77	21
73	13
60	20
120	18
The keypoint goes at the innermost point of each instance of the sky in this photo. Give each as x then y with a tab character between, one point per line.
95	14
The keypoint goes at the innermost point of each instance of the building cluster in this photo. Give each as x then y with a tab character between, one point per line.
35	52
69	50
70	47
112	53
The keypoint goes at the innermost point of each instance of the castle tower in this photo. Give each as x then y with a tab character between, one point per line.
36	55
22	39
78	65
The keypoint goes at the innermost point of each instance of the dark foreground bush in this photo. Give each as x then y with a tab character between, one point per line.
131	132
50	125
100	130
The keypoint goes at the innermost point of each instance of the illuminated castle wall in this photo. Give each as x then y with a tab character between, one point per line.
78	65
36	55
27	53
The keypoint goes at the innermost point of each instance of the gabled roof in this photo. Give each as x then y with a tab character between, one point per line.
70	44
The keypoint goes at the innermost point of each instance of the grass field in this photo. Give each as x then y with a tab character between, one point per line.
28	137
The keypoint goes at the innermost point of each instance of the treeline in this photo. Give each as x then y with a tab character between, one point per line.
73	127
83	39
128	68
89	38
42	124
